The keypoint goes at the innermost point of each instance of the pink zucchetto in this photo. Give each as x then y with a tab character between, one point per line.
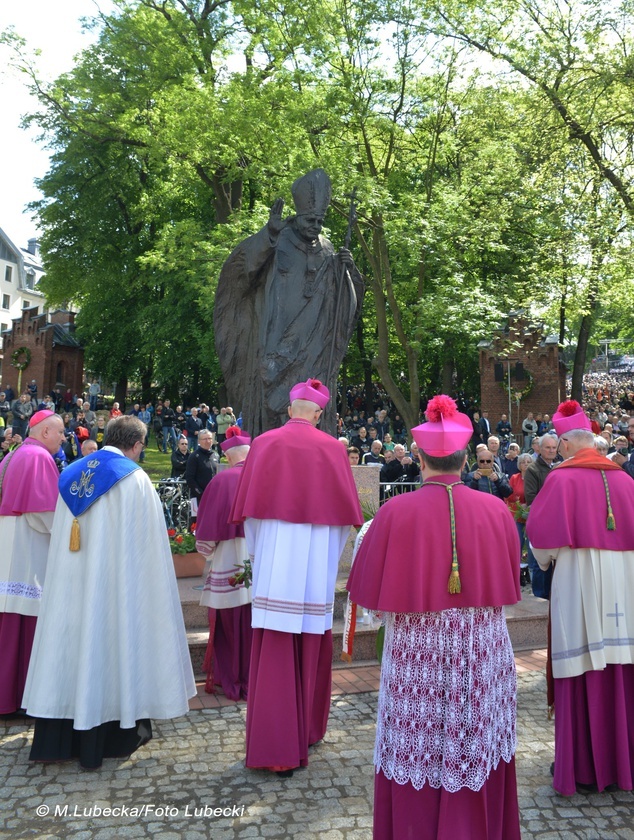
234	436
43	414
570	415
446	430
312	390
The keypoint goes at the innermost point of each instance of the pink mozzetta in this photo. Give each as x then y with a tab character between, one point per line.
405	557
571	510
298	474
212	522
30	482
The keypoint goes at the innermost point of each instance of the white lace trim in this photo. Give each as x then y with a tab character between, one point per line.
447	702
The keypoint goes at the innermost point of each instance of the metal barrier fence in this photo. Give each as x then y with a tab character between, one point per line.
387	490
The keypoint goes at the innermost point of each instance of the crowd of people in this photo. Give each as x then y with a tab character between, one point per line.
438	565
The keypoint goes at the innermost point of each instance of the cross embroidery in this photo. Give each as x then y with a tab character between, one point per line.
615	614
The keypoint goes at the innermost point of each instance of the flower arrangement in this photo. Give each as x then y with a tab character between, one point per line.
243	576
181	542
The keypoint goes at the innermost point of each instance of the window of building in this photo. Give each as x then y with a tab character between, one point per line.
6	301
26	304
8	273
30	279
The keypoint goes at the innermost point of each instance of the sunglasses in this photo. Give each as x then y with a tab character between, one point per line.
484	462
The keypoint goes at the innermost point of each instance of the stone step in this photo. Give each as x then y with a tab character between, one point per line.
527	622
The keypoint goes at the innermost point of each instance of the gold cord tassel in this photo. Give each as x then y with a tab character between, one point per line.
74	536
611	521
454	586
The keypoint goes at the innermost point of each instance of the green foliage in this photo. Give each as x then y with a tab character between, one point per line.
480	190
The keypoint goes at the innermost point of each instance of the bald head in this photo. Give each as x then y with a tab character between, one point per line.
49	432
305	410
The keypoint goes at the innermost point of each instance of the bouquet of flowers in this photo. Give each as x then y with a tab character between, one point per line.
243	576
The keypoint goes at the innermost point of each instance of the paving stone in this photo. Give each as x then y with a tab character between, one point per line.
198	762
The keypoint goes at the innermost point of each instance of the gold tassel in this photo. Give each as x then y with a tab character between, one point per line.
74	536
454	583
611	521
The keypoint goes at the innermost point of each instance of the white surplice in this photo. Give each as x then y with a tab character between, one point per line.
24	540
110	641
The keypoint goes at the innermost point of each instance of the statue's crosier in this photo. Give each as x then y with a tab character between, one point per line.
285	308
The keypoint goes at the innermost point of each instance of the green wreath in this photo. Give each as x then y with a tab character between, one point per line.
16	356
516	392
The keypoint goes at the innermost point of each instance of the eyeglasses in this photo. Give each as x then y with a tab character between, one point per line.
485	462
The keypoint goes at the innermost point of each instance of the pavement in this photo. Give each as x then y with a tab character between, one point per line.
190	782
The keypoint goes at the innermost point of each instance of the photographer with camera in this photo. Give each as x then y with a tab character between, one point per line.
488	477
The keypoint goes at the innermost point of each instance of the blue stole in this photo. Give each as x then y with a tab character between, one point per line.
86	480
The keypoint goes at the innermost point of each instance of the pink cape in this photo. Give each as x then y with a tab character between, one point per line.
571	510
30	481
297	474
404	561
212	521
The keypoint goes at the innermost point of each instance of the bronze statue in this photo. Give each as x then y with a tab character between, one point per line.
285	309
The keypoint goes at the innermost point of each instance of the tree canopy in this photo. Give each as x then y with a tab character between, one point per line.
484	184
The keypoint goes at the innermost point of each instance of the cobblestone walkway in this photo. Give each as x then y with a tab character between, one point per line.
190	782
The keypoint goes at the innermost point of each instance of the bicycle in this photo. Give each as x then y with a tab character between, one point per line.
175	501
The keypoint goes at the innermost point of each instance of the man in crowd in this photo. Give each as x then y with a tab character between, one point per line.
402	466
22	412
534	479
111	651
361	441
493	445
168	419
445	741
621	457
193	426
509	462
223	421
5	408
374	455
201	465
28	481
295	532
529	428
582	520
229	602
487	477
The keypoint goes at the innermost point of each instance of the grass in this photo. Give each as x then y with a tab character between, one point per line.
156	465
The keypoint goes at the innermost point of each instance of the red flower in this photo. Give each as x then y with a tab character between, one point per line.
178	539
171	532
232	581
192	527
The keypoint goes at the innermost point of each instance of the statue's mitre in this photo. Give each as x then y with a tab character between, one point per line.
311	193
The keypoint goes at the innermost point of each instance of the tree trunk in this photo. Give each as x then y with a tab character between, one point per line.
121	392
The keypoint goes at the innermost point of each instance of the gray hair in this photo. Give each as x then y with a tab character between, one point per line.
524	458
580	437
547	436
601	444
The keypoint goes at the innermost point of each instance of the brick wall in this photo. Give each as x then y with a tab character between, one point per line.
48	357
525	342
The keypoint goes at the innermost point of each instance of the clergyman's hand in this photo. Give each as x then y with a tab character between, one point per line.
276	223
346	257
